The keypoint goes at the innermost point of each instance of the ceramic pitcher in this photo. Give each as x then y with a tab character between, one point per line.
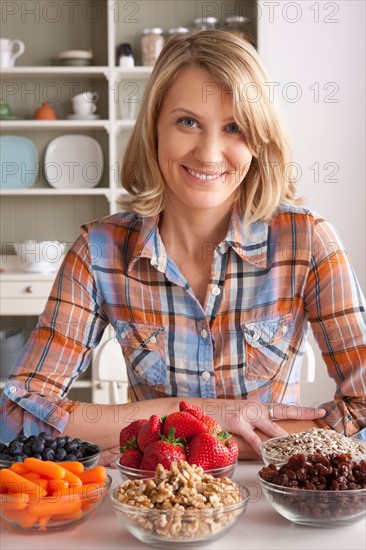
10	50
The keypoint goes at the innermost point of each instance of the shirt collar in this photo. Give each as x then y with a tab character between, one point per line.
251	248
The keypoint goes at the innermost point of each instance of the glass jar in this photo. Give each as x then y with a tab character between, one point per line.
124	56
238	25
152	42
205	23
178	30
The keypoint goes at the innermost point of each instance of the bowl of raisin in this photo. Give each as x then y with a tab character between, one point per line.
45	447
318	490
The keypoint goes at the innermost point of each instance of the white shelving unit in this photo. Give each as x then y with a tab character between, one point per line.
42	212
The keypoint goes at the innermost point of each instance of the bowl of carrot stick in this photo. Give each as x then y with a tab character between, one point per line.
38	496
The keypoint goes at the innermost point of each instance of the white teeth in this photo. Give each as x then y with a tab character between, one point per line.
203	177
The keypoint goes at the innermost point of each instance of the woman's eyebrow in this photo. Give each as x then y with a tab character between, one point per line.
195	115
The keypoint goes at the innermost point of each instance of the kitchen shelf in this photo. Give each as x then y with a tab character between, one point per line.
44	191
39	72
54	124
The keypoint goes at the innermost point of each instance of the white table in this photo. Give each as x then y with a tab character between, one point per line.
259	528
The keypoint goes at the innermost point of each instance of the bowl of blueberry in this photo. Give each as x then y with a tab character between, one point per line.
45	447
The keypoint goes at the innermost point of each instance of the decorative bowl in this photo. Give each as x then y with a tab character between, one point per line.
133	473
278	458
179	528
316	508
79	509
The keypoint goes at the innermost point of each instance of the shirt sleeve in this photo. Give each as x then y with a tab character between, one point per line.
336	311
58	351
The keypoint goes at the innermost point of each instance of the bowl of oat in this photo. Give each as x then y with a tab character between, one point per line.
278	450
180	506
317	490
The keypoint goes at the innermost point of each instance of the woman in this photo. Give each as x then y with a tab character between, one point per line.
210	276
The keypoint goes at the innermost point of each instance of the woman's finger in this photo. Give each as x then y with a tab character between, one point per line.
279	411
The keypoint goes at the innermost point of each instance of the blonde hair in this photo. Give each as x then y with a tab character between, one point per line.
236	67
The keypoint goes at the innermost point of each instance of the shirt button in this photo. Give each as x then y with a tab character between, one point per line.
222	247
206	375
204	333
13	389
284	329
153	340
255	337
215	290
123	334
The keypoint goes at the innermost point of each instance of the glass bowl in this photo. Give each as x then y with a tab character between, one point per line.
78	509
133	473
271	457
181	528
316	508
88	461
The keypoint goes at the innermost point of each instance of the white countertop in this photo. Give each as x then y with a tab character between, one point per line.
259	528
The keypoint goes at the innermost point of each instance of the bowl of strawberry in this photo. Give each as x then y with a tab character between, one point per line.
188	434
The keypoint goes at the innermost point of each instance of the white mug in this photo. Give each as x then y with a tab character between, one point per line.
84	108
85	97
7	53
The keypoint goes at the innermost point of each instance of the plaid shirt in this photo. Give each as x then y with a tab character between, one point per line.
246	342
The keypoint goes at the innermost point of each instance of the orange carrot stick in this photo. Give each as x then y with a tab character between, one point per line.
75	515
72	479
46	468
50	507
42	522
94	475
14	501
19	468
31	475
56	486
14	483
72	466
20	517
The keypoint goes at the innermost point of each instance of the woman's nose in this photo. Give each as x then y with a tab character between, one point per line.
210	153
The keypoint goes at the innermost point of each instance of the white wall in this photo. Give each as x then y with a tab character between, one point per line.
315	51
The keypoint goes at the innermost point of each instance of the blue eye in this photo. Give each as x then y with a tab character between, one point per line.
187	122
233	128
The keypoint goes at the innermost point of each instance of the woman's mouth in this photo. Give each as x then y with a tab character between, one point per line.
203	177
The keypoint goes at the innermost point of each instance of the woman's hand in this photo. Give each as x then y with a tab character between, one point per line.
109	456
244	417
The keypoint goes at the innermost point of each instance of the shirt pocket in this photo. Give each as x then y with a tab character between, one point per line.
143	348
267	344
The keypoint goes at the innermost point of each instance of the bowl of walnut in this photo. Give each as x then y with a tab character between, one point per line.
180	506
317	490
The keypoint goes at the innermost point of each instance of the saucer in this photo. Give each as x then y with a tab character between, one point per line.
83	117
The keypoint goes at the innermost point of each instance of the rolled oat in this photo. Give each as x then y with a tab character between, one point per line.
315	439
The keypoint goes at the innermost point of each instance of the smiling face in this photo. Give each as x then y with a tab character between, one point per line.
202	154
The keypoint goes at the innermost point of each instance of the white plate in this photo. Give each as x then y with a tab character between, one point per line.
73	162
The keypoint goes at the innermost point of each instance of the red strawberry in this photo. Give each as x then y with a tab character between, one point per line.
233	450
131	458
197	412
210	451
130	431
165	451
149	432
189	407
185	425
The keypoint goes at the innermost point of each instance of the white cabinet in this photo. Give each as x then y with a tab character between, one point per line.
41	212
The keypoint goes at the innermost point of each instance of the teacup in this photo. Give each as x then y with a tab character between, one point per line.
7	53
84	108
88	96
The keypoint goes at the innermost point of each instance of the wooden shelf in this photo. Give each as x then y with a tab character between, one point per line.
54	124
47	192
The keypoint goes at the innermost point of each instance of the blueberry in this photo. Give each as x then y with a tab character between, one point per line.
37	455
17	458
45	435
69	447
91	449
16	447
67	439
51	444
70	457
31	438
60	441
48	454
3	447
60	454
77	441
38	446
21	438
78	453
27	449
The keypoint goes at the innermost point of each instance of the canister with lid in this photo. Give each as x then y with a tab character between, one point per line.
178	30
238	25
205	23
152	42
